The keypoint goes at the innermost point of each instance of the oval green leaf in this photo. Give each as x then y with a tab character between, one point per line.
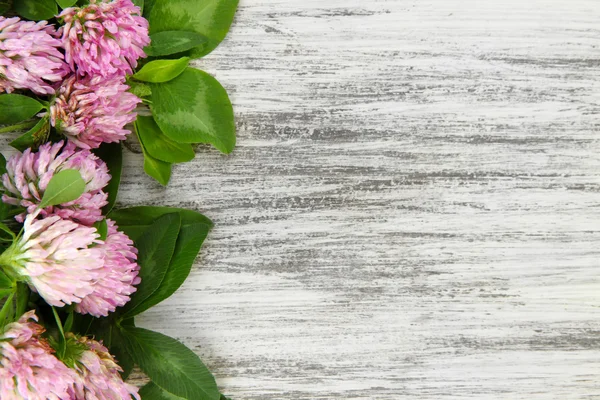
135	220
16	108
152	392
194	108
66	185
210	18
155	249
66	3
35	9
173	42
157	169
5	6
170	364
38	134
162	70
160	146
102	228
188	245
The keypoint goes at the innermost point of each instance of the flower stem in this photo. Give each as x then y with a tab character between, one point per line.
18	127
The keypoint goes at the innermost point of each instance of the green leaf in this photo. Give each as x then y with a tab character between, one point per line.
66	3
170	365
148	4
172	42
159	170
123	359
16	107
112	155
106	330
210	18
23	293
162	70
35	9
38	134
102	228
188	245
160	146
155	249
152	392
194	108
134	221
5	6
66	185
140	89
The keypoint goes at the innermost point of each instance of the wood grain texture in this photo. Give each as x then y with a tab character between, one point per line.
412	211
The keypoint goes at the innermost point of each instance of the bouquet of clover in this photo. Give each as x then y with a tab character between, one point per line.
74	271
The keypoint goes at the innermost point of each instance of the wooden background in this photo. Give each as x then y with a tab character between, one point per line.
413	207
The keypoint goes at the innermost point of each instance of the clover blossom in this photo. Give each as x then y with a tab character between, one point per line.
90	111
104	38
29	56
28	368
57	258
28	175
120	271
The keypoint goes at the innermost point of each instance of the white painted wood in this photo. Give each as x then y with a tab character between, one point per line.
413	207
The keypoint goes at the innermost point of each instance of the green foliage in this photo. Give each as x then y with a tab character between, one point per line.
5	6
140	89
159	146
194	108
102	229
210	18
152	392
66	3
172	42
162	70
66	185
144	223
35	9
134	221
38	134
155	249
170	364
16	108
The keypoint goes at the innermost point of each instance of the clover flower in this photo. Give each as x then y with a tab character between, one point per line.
105	37
93	110
28	369
57	258
98	372
29	56
120	275
28	175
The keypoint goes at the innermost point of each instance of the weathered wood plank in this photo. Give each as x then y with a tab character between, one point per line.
412	210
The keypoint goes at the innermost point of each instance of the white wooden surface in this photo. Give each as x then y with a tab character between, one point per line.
412	211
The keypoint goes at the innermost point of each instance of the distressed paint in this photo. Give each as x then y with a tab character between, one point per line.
412	208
